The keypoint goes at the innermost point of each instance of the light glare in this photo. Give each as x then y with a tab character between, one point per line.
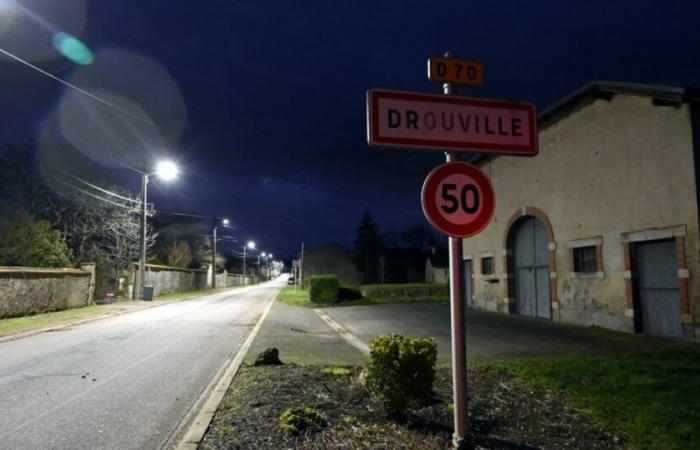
167	170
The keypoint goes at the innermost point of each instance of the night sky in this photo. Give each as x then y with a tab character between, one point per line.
274	135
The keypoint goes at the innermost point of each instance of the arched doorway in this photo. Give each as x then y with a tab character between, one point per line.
529	244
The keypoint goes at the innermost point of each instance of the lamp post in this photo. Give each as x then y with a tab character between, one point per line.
263	256
249	245
216	221
167	171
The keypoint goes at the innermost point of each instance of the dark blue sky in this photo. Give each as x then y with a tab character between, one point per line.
275	91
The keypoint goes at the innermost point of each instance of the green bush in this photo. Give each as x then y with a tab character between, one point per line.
324	288
302	418
400	369
29	243
349	293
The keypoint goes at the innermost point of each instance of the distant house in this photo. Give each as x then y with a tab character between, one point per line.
437	267
331	259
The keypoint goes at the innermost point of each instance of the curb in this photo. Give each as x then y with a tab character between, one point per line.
198	427
25	334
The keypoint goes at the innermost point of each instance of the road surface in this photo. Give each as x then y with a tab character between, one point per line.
123	382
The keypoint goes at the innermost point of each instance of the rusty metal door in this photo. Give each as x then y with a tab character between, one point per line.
531	261
656	281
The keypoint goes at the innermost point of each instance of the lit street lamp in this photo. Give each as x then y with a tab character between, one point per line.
249	245
216	221
167	171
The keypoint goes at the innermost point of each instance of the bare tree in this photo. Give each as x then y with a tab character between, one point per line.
178	254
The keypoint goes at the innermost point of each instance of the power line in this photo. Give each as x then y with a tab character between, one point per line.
72	86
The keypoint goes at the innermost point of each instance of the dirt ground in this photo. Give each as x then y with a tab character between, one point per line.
503	414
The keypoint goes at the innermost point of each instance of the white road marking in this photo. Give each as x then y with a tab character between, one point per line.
345	334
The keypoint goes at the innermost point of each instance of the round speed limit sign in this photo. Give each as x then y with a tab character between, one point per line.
458	199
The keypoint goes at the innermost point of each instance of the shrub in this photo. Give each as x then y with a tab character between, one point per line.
29	243
301	418
324	288
400	369
337	371
348	293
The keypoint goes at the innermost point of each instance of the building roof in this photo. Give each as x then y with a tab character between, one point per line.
661	95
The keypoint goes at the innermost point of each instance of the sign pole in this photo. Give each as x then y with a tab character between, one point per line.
459	342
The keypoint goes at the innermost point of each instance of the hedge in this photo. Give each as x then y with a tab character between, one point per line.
324	288
404	290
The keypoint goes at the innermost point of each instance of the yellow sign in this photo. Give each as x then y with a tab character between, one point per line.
457	71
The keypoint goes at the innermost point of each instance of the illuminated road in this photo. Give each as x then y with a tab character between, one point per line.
123	382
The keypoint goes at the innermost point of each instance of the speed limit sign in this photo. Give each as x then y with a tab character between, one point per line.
458	199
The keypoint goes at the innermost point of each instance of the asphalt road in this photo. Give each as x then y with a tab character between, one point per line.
490	335
123	382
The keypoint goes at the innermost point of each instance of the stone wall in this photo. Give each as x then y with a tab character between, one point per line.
233	279
171	280
25	290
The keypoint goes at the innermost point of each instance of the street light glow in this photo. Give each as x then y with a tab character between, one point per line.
262	254
167	170
225	221
251	244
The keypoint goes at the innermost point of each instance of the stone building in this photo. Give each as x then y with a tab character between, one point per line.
601	227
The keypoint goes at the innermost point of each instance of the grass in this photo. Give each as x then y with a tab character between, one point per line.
654	398
300	297
16	325
19	324
337	371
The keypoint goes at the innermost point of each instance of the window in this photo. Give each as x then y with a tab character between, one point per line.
487	265
585	259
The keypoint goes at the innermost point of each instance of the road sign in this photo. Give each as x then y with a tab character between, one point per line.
439	122
458	199
455	71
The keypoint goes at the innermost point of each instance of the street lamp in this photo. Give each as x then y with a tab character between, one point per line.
249	245
263	257
167	171
215	221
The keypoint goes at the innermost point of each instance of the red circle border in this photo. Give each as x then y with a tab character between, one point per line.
430	208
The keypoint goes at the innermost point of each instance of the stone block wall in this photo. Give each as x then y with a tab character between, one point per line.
26	290
172	280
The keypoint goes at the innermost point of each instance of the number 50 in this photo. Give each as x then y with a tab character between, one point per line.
454	203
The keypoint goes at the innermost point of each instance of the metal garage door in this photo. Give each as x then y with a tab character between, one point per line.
468	283
531	261
656	280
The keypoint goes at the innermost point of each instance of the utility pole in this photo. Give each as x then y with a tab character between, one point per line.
301	266
213	254
245	278
142	250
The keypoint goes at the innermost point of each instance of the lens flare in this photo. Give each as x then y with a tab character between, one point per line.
73	49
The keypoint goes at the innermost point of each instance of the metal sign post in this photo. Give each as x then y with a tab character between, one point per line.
458	198
459	336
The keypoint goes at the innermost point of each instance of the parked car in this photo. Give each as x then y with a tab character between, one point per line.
291	280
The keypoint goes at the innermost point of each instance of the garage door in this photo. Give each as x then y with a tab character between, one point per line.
657	292
531	261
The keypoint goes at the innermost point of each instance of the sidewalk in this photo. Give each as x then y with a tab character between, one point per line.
303	338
